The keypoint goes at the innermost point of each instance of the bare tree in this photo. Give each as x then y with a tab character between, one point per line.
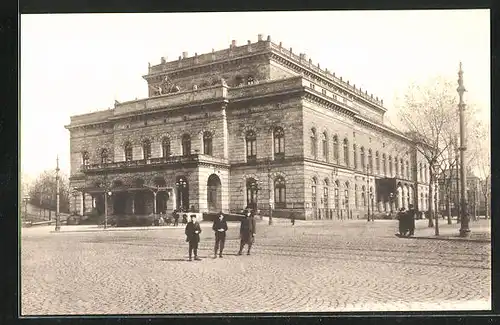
43	192
482	163
429	117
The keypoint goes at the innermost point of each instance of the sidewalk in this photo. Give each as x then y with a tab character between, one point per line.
480	232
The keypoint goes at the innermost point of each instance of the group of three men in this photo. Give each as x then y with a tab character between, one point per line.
247	234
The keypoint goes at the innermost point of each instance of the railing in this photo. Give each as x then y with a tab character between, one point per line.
266	87
92	117
155	161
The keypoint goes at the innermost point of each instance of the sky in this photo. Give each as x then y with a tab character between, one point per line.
74	64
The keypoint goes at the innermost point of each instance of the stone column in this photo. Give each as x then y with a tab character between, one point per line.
173	198
155	208
133	202
82	203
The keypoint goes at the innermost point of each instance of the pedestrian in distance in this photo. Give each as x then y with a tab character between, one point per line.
292	218
402	222
220	228
175	215
247	232
411	219
184	219
192	232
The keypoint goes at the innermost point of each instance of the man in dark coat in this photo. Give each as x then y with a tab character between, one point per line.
403	223
220	228
175	215
247	232
411	219
193	231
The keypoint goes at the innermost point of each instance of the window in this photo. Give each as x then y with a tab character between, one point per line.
279	192
407	170
146	149
85	158
337	197
370	160
251	140
314	143
355	156
128	151
104	156
402	169
207	143
384	164
425	173
279	142
186	145
324	143
165	147
377	162
356	201
390	166
346	195
396	166
346	152
421	173
325	194
362	157
313	191
252	190
336	149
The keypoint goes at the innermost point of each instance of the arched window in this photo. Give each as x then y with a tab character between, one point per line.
324	143
325	193
279	142
251	141
337	196
314	143
362	157
186	145
407	170
425	173
146	149
346	196
252	190
384	164
396	166
402	169
104	156
207	143
313	190
85	158
165	147
421	173
336	149
356	201
370	160
128	151
390	166
377	162
280	192
355	156
346	152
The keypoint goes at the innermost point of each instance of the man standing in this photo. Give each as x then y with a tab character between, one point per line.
247	232
193	231
220	228
411	219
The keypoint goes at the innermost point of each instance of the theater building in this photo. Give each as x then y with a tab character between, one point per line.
247	125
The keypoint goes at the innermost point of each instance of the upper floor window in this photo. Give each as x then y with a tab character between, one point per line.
362	157
355	155
128	151
384	164
85	158
425	173
396	166
346	152
279	141
186	145
336	149
377	162
402	168
313	190
165	147
104	156
421	173
356	202
207	143
146	149
370	160
390	166
407	170
251	140
314	143
324	143
279	192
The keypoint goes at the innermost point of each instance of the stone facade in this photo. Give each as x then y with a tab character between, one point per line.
254	124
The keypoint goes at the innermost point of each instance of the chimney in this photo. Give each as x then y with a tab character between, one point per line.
382	101
318	66
340	78
233	43
290	50
347	81
310	61
326	70
180	57
371	96
269	38
260	37
184	55
281	45
249	42
163	60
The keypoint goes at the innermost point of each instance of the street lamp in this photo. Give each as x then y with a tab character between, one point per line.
106	193
58	217
464	224
391	197
368	189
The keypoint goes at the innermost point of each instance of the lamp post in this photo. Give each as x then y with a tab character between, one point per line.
464	222
106	193
58	221
391	197
368	189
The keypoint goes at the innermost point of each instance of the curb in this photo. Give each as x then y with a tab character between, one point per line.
447	238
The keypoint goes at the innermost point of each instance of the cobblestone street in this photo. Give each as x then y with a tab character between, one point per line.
313	266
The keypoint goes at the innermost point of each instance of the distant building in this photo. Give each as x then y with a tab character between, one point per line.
449	179
253	125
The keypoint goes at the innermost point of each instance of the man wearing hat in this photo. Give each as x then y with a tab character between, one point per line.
193	231
247	232
220	228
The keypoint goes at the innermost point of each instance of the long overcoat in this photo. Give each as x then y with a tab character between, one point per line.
191	236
